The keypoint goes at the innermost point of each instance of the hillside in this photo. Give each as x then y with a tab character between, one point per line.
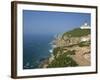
71	49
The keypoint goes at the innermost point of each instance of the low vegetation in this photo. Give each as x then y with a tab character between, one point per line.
85	43
63	60
77	32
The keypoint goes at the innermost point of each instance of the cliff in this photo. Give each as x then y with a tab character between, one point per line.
71	48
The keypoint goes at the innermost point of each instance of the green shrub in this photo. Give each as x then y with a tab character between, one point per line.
62	61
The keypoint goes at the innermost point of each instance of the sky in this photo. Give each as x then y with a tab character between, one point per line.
48	22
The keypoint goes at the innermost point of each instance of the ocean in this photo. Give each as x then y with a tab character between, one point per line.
36	48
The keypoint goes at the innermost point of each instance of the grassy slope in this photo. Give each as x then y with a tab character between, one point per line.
77	32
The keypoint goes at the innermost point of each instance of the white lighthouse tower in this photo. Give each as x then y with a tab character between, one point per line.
85	26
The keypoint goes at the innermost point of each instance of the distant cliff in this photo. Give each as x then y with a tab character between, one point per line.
71	48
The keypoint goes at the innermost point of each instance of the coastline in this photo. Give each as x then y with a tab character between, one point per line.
48	60
76	49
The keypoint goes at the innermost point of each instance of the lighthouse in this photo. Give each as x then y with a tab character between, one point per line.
85	26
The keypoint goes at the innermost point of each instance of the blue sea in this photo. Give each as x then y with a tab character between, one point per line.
35	49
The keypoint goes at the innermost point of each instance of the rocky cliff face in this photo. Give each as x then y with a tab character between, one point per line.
73	48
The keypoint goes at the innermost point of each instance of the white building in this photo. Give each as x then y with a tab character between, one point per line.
85	26
86	38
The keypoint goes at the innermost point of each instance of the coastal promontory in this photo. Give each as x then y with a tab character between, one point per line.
70	49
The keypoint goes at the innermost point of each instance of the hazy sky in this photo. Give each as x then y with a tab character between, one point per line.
44	22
